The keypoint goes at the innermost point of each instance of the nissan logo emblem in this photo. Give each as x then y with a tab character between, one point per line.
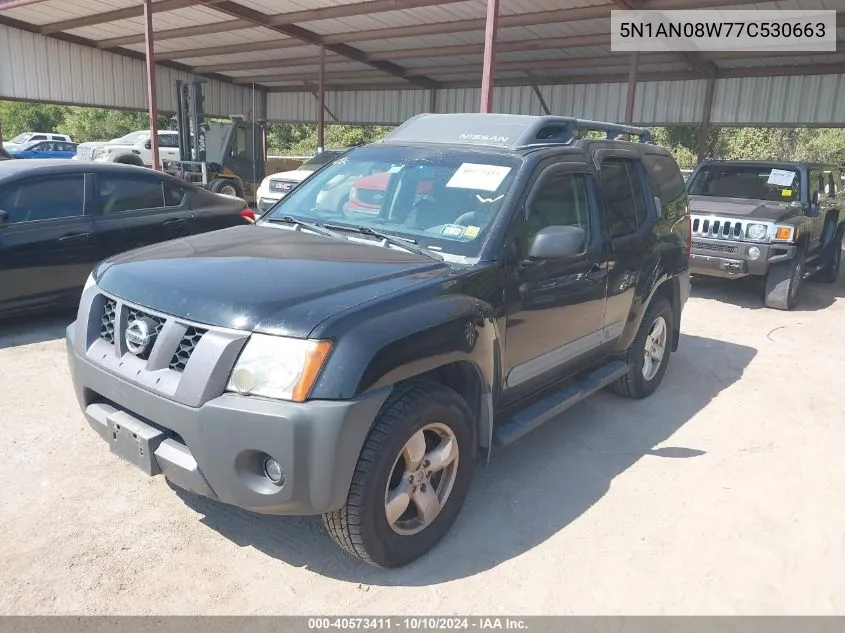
139	335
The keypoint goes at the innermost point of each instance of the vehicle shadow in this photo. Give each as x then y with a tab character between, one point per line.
530	491
748	292
38	328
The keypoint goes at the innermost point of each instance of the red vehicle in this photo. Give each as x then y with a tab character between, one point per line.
367	194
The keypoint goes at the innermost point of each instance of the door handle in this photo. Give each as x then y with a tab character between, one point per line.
173	222
74	237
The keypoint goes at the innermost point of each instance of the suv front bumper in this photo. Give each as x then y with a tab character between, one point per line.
217	450
729	258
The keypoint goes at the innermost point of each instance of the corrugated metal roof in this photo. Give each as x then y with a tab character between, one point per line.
222	52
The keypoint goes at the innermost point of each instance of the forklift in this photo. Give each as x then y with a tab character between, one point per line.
227	158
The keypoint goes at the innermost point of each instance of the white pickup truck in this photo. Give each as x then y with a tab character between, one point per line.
133	149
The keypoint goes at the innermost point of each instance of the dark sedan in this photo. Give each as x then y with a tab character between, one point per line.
58	218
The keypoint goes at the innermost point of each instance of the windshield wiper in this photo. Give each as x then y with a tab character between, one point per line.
406	243
312	226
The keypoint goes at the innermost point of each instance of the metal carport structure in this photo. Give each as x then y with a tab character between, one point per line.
386	60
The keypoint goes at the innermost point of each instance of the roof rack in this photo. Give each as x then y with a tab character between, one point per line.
510	131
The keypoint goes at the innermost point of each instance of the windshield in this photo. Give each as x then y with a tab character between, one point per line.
444	200
22	138
132	138
315	162
752	182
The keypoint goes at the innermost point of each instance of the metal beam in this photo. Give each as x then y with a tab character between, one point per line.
632	87
309	76
270	64
151	80
188	31
488	70
538	44
112	16
350	10
706	115
321	102
784	71
310	37
249	47
460	26
14	4
538	94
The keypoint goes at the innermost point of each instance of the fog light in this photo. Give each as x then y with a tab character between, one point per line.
753	252
273	470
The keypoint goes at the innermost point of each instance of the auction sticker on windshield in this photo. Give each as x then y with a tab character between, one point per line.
781	178
477	176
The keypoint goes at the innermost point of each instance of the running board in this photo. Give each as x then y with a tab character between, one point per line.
552	406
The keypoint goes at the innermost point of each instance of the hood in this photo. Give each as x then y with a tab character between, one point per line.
295	175
95	144
741	207
262	278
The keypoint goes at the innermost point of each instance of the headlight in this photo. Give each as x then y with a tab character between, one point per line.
89	282
278	367
97	153
757	231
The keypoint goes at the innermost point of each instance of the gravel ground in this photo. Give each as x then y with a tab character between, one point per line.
722	493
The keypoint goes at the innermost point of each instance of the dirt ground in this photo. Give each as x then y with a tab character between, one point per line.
722	493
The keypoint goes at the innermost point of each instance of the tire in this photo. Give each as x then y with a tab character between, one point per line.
784	281
639	382
830	273
226	186
130	159
361	526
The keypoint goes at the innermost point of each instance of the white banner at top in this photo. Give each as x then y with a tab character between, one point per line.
734	30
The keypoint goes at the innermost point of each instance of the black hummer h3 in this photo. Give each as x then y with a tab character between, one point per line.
777	220
487	272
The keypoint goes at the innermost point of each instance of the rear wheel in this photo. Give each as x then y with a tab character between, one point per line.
130	159
226	186
830	272
783	283
648	355
411	479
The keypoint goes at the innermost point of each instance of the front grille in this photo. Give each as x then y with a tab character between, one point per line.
107	320
718	248
186	348
719	228
84	153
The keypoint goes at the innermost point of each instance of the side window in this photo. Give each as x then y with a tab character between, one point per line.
119	193
174	195
560	200
669	182
622	194
168	140
816	184
44	198
38	137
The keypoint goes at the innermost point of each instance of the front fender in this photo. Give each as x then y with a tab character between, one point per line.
410	341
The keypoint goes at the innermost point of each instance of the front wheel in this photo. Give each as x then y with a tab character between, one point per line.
648	355
412	477
830	272
783	283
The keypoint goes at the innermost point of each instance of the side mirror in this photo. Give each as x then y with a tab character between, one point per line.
148	145
557	242
4	219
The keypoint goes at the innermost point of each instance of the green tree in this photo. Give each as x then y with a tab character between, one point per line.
100	124
18	117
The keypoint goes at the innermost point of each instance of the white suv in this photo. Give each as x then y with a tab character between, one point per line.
133	149
31	137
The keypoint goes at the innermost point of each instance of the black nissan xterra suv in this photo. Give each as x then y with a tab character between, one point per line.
779	221
357	362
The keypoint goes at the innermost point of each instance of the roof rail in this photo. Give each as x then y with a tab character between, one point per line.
506	131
